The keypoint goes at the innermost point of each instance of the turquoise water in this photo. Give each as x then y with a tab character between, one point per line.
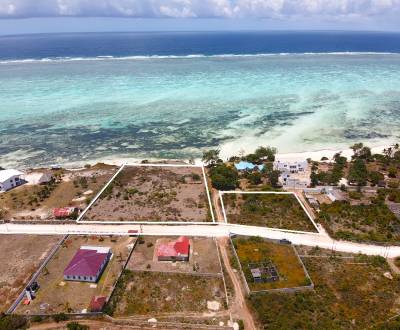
173	107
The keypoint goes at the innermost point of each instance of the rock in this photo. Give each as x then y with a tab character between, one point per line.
388	275
168	298
213	305
221	324
88	192
153	320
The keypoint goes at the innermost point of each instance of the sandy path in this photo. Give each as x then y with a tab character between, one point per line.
239	305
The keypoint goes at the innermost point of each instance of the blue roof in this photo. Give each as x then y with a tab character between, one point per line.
241	166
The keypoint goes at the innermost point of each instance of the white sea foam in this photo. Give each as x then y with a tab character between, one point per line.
191	56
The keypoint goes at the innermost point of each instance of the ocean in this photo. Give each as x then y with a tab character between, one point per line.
77	98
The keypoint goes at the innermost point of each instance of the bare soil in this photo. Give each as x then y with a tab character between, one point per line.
20	257
141	193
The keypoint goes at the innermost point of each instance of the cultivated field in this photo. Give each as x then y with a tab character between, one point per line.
256	250
266	210
70	188
153	293
20	257
56	295
350	293
203	257
154	193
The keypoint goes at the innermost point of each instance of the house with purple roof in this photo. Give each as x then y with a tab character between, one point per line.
87	264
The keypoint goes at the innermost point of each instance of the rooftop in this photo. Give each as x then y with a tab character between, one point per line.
7	174
181	247
87	261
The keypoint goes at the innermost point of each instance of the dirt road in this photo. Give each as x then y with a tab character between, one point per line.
239	306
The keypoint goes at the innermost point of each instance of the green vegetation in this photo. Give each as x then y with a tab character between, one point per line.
358	172
331	177
223	177
267	210
349	294
374	222
211	157
12	322
76	326
255	250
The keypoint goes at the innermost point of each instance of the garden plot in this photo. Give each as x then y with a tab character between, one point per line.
350	292
154	193
21	256
57	295
73	188
203	258
273	210
267	265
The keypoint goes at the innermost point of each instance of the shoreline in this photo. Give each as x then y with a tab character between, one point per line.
295	156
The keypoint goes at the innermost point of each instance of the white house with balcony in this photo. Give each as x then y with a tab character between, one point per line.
293	174
10	179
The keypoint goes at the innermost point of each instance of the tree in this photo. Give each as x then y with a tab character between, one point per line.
223	177
274	178
267	153
254	178
392	171
375	177
358	172
211	157
361	151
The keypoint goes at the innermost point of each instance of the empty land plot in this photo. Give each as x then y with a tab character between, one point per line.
266	210
20	257
203	258
373	222
257	253
58	296
348	294
154	193
153	293
69	188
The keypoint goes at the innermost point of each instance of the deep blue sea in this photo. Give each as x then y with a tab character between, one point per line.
82	97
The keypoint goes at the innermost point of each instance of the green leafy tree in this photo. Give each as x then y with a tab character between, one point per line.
375	177
211	157
267	153
358	172
223	177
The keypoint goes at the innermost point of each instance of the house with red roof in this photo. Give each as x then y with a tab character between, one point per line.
178	250
87	264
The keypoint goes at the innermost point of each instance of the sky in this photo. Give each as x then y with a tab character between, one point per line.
45	16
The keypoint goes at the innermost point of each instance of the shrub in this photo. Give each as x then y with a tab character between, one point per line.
12	322
76	326
60	317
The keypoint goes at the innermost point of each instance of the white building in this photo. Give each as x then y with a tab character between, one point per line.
35	178
10	179
291	167
294	174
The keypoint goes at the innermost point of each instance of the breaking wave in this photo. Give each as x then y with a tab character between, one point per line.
155	57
